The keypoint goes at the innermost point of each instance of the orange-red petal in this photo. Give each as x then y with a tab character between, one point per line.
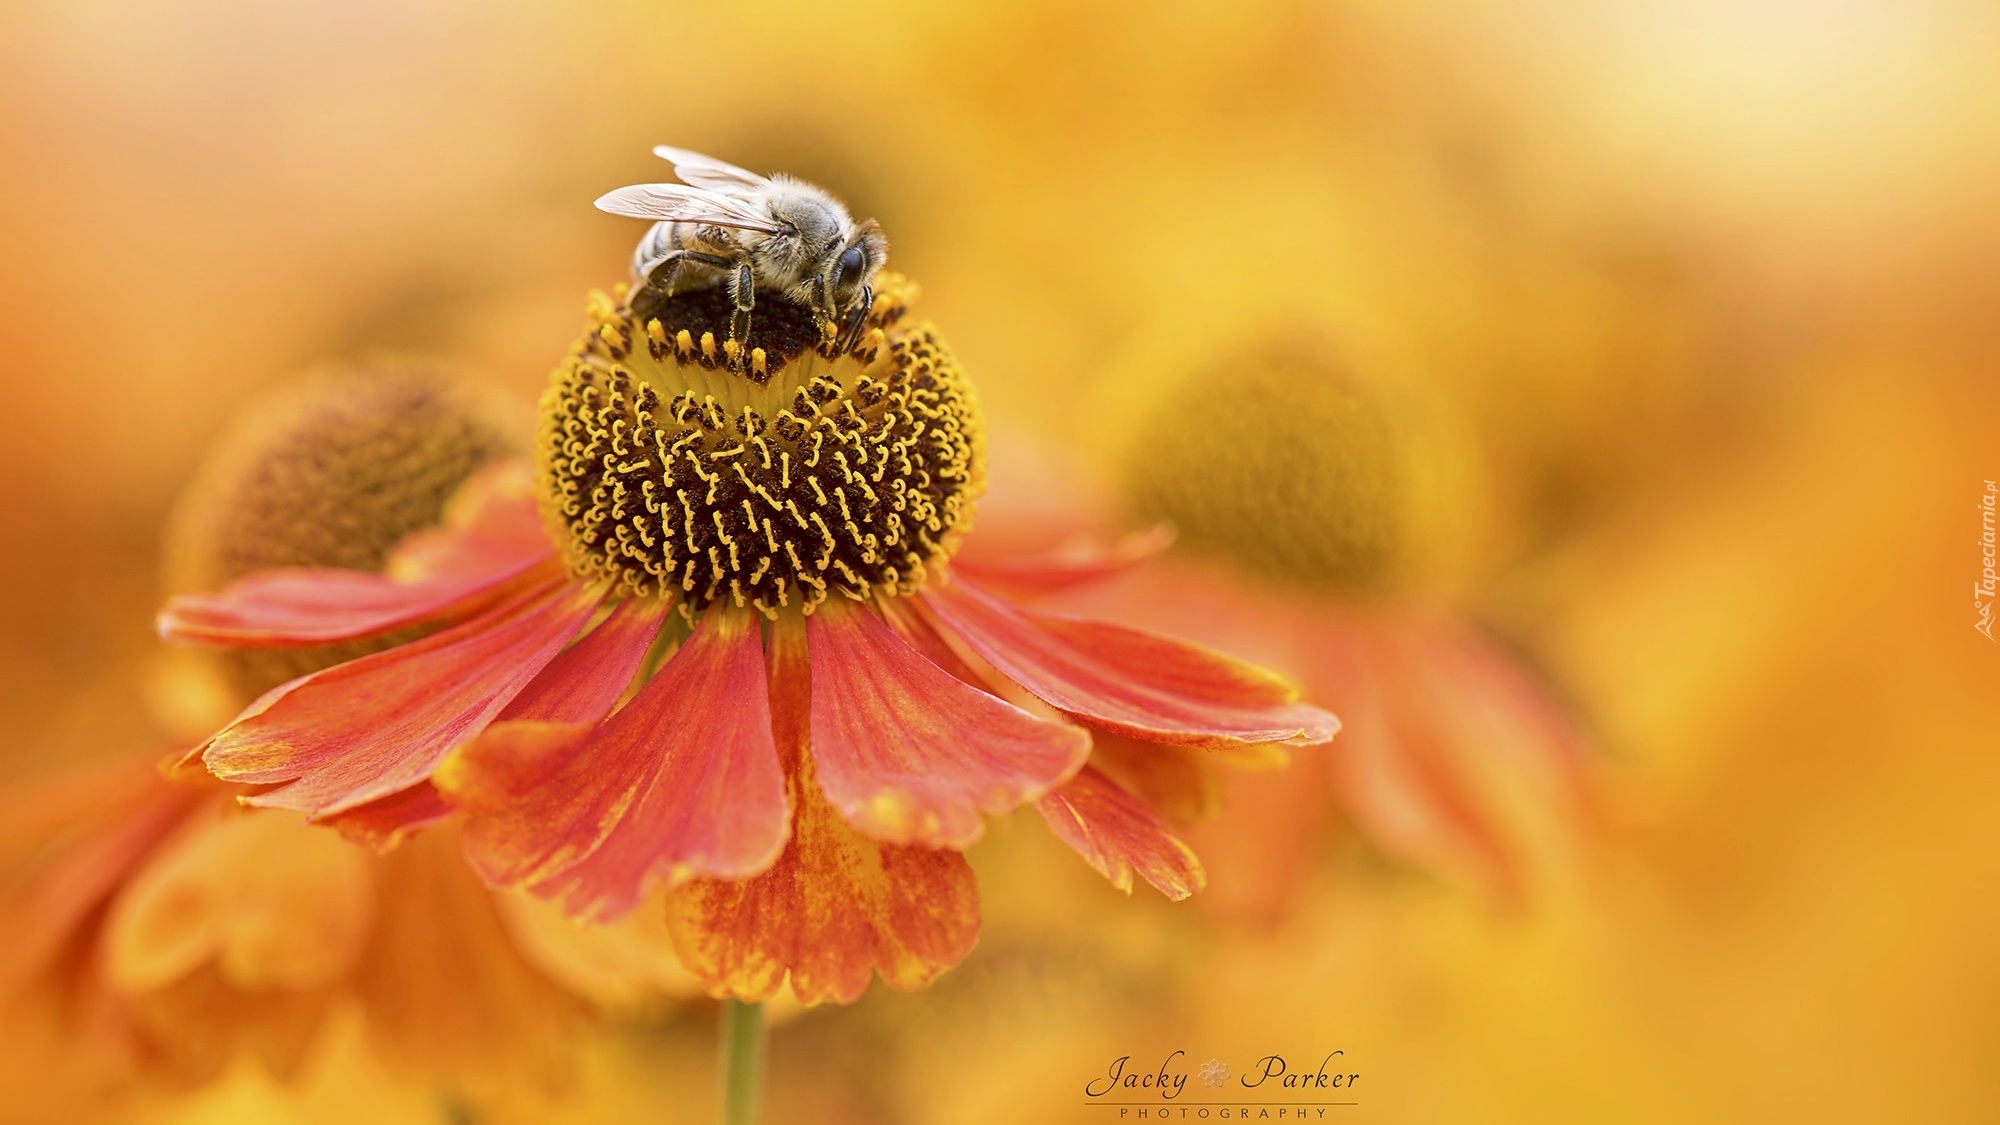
492	543
493	524
911	754
1146	686
548	722
683	781
837	907
1076	561
298	607
384	823
1117	834
584	683
360	731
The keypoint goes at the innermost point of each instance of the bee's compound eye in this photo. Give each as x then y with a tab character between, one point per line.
848	274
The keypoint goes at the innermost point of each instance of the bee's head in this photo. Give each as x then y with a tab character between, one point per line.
856	264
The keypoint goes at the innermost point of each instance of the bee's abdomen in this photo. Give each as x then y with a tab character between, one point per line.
659	239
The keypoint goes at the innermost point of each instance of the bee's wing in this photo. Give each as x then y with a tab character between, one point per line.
680	203
708	172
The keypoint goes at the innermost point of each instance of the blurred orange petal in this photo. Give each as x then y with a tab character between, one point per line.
1142	685
627	965
269	903
1072	563
445	988
82	835
1453	756
1180	783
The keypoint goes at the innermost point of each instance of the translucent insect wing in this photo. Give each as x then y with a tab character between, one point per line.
708	172
680	203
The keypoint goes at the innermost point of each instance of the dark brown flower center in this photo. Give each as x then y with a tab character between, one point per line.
772	475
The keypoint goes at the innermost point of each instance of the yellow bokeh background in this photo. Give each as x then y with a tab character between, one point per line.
1706	287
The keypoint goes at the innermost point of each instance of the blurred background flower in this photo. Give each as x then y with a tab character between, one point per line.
1694	298
158	936
155	934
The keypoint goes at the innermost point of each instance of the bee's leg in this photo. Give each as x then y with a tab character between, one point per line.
659	273
822	304
857	318
658	276
743	293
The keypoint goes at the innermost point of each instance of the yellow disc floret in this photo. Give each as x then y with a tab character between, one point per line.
675	463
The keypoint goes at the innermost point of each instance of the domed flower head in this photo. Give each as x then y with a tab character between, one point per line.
332	468
1324	534
713	641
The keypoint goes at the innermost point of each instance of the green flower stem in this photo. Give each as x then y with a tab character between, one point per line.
742	1062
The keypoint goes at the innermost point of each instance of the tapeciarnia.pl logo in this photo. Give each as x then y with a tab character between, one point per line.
1271	1089
1983	591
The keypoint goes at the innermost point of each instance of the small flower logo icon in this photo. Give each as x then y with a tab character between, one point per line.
1214	1072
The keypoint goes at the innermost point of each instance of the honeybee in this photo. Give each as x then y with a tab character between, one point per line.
724	226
